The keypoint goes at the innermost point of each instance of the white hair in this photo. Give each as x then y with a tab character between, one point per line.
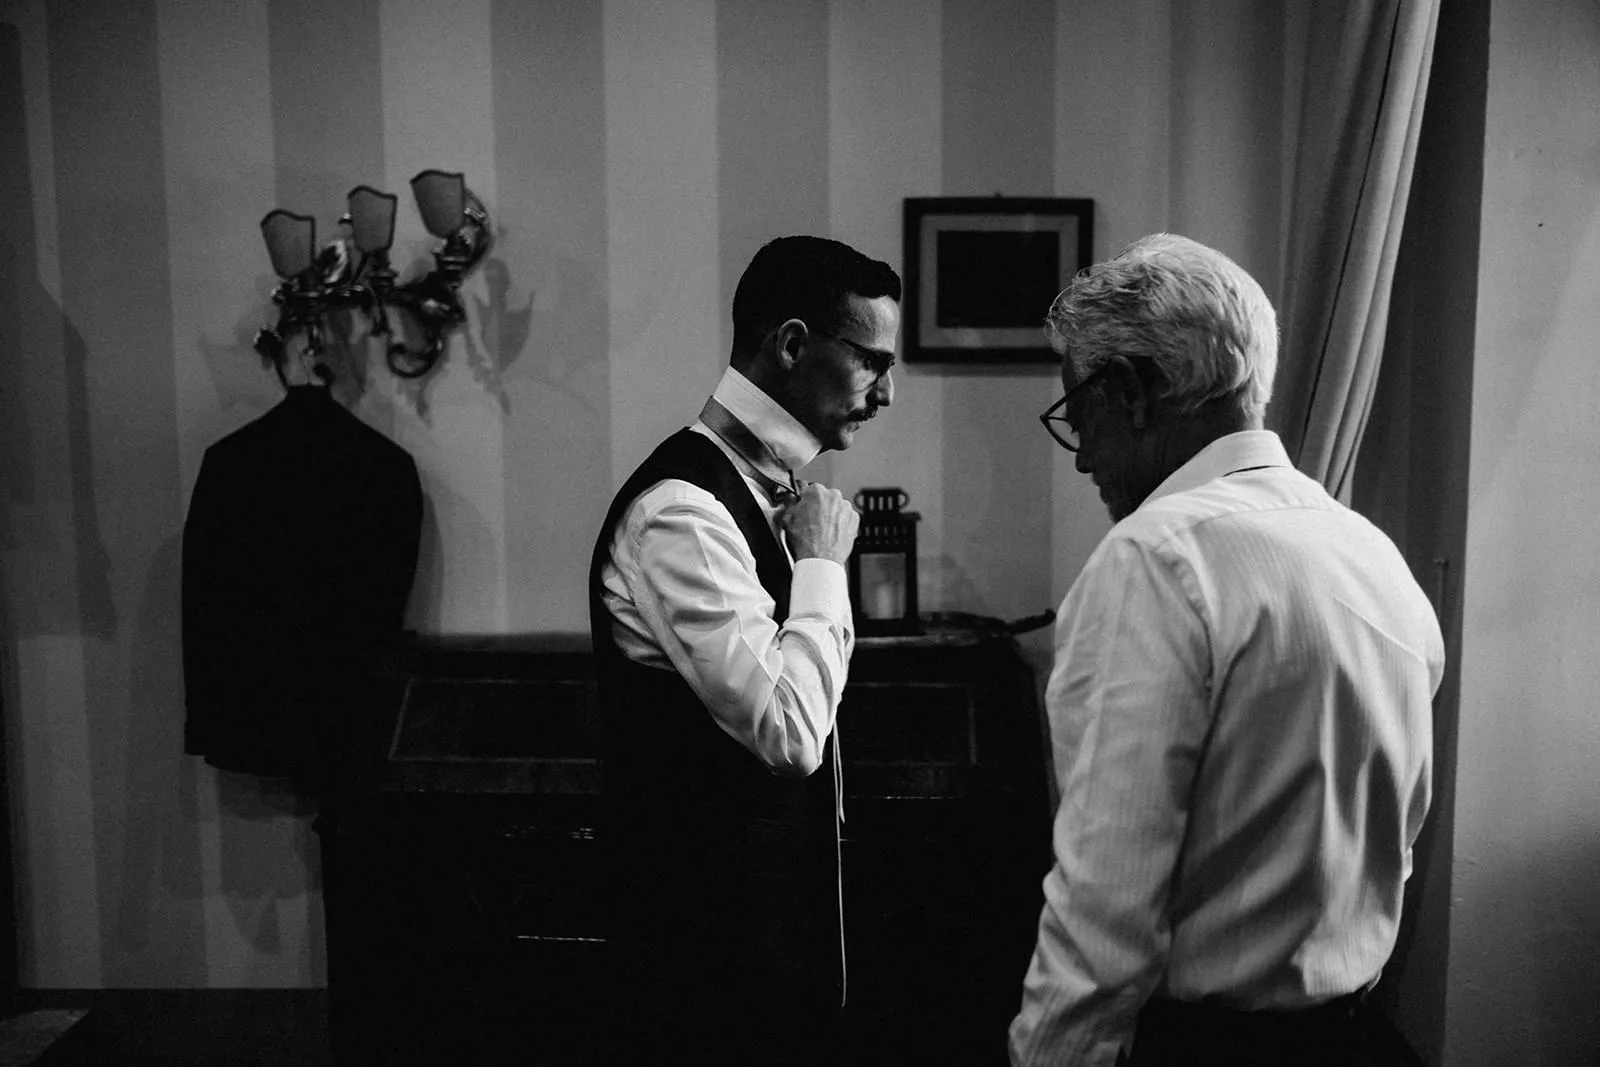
1199	316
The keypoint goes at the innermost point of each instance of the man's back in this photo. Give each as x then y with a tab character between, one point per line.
1240	703
1315	656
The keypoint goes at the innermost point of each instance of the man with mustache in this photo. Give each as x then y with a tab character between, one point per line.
1240	706
722	630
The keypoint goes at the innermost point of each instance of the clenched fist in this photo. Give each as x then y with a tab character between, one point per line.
821	523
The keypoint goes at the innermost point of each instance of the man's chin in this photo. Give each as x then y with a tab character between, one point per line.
1116	506
845	436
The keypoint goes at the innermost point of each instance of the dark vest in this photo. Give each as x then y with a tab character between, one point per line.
727	901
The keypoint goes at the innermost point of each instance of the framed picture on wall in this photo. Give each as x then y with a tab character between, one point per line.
980	273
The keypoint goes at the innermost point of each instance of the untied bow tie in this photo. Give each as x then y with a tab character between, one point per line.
763	466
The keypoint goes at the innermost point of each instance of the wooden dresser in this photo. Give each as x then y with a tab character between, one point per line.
465	917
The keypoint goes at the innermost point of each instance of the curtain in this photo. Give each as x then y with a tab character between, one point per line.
1366	76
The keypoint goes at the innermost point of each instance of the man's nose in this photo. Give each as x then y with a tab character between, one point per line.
883	390
1083	464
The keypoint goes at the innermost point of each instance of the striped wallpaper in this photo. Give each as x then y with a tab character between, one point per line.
633	154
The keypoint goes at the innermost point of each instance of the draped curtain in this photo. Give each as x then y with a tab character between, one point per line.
1366	76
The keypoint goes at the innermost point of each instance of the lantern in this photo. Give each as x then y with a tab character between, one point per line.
883	565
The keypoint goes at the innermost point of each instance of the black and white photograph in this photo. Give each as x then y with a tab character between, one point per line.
799	533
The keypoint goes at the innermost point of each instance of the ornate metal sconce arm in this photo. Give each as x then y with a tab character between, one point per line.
340	277
301	305
434	300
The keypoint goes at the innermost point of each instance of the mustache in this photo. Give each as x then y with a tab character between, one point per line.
865	414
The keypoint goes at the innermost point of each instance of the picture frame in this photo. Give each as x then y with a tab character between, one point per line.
981	272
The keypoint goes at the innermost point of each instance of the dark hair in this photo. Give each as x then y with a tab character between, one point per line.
805	278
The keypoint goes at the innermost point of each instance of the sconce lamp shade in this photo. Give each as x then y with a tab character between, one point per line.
290	239
372	218
442	199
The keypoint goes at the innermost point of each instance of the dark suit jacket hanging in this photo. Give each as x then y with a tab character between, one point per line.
298	555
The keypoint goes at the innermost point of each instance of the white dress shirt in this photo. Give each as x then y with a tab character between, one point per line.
1240	713
683	595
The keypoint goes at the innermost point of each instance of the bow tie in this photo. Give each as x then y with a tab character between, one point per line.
762	465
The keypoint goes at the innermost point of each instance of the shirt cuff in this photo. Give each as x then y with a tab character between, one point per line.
820	587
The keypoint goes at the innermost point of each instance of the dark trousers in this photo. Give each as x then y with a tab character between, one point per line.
674	1029
1336	1034
689	994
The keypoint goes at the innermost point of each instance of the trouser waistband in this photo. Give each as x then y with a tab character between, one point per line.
1184	1032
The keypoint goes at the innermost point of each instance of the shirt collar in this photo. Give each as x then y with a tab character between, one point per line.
1229	453
791	443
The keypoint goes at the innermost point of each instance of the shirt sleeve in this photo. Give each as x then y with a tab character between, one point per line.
1129	709
774	689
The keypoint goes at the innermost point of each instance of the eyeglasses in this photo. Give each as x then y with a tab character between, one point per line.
1067	436
878	361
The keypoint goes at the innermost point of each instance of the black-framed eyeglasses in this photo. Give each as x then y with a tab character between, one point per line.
1054	416
878	361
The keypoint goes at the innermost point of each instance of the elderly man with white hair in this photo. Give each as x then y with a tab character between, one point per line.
1240	706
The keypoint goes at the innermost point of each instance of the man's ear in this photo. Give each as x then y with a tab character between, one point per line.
1135	394
789	343
1139	406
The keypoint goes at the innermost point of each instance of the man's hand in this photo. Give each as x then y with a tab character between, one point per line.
821	523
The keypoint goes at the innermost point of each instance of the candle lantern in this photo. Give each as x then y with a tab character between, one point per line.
883	565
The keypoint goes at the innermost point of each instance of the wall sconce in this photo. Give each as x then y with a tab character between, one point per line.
353	270
883	565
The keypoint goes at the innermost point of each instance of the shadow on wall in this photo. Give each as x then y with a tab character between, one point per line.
10	963
425	609
96	608
244	384
148	941
566	319
261	841
1567	991
56	568
570	324
50	531
268	855
503	329
1543	899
